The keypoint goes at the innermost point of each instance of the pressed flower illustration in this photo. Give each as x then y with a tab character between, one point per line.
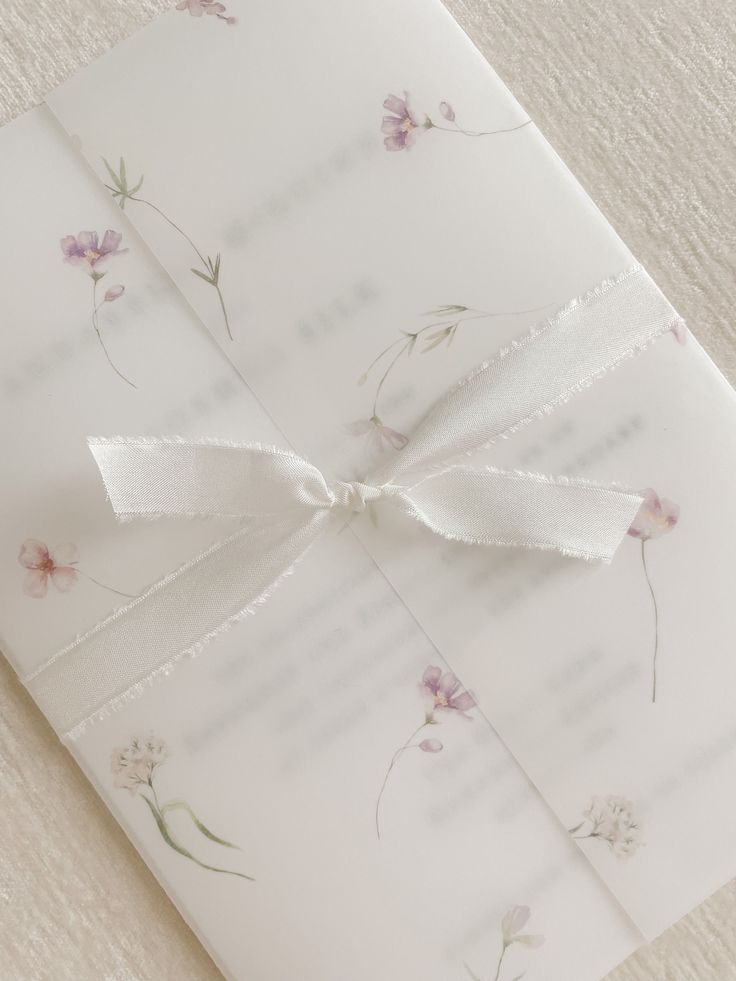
439	333
610	819
443	696
657	516
134	767
87	253
212	7
58	565
511	926
378	434
210	268
404	124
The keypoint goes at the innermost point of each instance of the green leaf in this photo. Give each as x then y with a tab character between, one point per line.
173	805
113	175
437	338
412	344
172	843
123	175
443	311
137	187
203	276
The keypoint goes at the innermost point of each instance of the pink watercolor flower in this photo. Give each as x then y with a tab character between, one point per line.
198	7
431	746
133	765
447	111
680	331
86	251
400	129
44	564
656	516
443	693
379	435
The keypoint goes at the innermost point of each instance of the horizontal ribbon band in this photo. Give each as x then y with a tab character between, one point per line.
286	504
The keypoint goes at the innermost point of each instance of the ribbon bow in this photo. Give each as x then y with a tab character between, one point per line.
286	504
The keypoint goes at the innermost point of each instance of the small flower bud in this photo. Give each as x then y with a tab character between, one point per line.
447	111
114	293
430	746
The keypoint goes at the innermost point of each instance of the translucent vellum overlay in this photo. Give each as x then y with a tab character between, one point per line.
286	504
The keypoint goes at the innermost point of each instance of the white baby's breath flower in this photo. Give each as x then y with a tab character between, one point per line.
133	765
612	820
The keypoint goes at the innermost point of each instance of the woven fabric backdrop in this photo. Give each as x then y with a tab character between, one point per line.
638	97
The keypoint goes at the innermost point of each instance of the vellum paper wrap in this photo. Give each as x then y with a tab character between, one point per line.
419	759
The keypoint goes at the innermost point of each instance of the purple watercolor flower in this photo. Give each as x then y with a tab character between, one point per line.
443	693
400	129
447	111
86	251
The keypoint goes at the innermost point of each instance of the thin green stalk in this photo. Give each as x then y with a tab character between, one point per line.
656	621
394	760
96	324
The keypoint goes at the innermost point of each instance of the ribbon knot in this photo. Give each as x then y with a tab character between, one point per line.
355	496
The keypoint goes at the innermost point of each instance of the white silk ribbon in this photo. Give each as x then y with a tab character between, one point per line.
286	504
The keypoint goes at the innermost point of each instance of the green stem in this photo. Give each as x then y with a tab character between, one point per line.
500	962
105	586
394	760
386	373
96	324
474	315
173	224
224	311
467	132
205	265
656	621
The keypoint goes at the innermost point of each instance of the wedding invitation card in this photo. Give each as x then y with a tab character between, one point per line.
431	731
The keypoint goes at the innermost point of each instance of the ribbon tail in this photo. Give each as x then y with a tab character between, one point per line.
176	617
150	478
495	507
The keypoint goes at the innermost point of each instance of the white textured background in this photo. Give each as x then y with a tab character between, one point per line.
638	96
